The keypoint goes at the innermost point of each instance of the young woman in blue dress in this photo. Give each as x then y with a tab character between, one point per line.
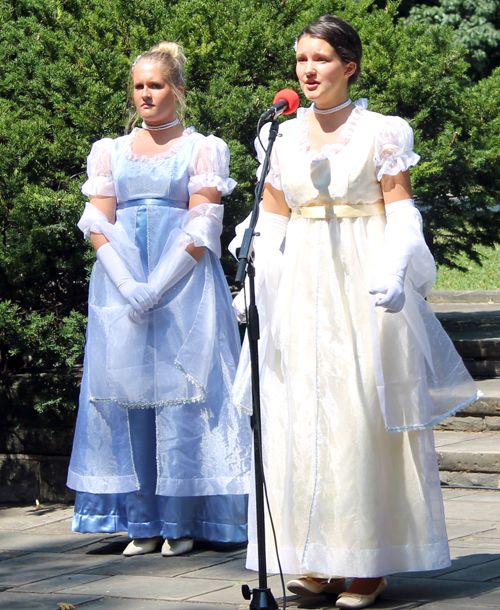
160	451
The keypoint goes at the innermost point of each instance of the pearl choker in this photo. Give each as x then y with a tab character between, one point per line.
330	110
159	127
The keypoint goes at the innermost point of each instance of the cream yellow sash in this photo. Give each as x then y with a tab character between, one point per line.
324	212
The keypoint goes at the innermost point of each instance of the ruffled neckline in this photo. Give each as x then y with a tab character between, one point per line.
159	156
345	135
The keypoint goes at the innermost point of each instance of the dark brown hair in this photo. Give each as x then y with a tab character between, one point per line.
341	36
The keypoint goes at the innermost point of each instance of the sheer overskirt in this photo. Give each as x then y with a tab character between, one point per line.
347	497
175	367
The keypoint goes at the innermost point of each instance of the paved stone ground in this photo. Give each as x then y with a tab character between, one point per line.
43	564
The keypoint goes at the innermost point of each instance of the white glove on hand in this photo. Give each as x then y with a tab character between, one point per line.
170	270
394	292
403	223
272	230
139	295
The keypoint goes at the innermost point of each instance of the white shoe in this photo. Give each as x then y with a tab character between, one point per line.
177	547
141	546
307	587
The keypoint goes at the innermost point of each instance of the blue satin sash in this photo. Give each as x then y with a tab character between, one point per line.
135	203
141	239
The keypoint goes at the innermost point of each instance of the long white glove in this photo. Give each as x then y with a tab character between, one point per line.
170	270
394	292
202	227
403	227
140	296
272	230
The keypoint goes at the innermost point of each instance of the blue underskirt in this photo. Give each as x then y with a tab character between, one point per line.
214	518
143	514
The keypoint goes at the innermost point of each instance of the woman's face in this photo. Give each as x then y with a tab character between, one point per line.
322	76
154	97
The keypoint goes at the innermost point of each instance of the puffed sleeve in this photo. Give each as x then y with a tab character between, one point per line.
394	147
100	179
273	177
209	166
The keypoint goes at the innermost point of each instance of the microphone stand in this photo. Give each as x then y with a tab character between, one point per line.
262	598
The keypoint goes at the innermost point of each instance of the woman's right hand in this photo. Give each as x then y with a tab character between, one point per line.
140	296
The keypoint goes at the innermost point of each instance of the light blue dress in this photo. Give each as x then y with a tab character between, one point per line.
160	449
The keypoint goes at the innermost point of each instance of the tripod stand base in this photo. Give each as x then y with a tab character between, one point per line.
262	599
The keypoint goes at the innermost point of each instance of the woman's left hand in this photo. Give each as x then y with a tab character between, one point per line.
394	294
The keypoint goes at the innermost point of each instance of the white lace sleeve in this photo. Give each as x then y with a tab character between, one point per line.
394	147
209	166
100	179
273	177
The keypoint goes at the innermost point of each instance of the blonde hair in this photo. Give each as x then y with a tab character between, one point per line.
171	60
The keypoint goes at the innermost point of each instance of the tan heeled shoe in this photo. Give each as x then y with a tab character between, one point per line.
307	587
357	600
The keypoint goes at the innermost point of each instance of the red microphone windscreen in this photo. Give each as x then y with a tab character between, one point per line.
291	96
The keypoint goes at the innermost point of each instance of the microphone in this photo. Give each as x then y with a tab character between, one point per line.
285	101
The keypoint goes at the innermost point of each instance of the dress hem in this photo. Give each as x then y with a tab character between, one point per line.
438	419
349	563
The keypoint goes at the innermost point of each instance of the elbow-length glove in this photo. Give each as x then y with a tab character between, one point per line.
140	296
403	230
268	257
201	227
112	256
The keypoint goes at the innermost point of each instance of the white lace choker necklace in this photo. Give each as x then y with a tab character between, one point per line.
330	110
159	127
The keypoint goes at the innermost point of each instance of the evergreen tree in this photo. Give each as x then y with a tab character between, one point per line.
66	64
476	25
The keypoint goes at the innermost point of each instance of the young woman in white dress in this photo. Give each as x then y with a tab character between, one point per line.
355	368
160	450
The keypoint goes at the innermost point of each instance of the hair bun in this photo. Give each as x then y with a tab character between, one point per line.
172	49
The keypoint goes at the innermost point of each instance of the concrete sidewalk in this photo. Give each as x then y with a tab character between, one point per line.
43	565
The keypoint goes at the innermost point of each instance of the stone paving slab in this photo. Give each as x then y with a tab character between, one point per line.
467	511
150	587
22	541
432	590
481	572
96	576
58	583
231	570
55	528
154	564
110	603
23	518
35	567
482	496
32	601
462	561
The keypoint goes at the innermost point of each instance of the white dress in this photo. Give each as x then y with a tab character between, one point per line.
348	497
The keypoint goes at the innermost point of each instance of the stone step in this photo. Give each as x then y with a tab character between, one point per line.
468	458
464	296
473	327
482	415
